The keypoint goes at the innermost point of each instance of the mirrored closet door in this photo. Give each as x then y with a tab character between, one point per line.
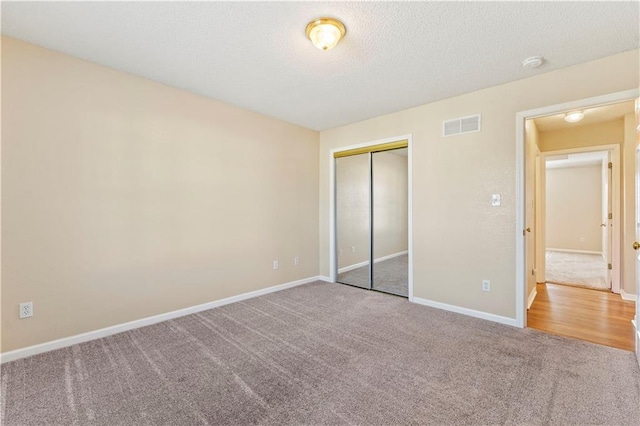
390	221
372	218
353	225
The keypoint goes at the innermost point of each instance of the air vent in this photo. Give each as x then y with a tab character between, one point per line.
461	125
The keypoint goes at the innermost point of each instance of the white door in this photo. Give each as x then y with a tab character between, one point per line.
607	220
529	231
636	244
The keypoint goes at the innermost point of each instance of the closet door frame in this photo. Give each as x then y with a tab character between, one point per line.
373	146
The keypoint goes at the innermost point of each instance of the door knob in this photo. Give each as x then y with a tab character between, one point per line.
636	245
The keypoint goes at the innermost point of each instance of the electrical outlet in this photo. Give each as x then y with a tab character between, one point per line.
486	285
275	264
296	261
583	239
353	249
26	310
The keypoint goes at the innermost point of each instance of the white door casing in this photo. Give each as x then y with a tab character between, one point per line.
332	212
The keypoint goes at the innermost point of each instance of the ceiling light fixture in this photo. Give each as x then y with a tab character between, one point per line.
573	117
325	33
532	62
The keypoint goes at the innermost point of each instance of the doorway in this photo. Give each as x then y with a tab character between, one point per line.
371	216
578	221
532	269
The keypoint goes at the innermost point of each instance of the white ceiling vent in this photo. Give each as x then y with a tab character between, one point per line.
461	125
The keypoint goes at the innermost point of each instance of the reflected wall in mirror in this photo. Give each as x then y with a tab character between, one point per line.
390	221
352	219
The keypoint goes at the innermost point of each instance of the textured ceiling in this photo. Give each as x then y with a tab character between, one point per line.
591	116
395	55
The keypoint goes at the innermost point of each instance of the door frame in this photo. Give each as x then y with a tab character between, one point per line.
520	240
615	199
332	204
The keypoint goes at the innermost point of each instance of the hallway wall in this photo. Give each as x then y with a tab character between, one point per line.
574	208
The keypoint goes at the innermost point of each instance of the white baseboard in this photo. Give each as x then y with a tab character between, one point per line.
574	251
391	256
324	278
143	322
627	296
532	297
466	311
366	262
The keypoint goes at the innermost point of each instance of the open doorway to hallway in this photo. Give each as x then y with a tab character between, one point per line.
578	185
577	208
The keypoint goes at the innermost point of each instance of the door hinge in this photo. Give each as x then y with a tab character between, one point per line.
610	216
609	267
610	165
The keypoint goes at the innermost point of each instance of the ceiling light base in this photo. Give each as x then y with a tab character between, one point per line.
325	33
532	62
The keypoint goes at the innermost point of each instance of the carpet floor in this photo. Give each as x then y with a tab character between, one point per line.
390	276
325	354
577	269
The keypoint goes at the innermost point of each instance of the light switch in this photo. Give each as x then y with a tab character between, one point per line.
495	200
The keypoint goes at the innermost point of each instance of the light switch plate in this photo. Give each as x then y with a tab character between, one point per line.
495	200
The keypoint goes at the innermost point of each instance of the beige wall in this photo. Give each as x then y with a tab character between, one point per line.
125	198
459	238
607	133
574	208
390	214
628	281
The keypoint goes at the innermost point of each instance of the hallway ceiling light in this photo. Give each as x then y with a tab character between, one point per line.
325	33
573	117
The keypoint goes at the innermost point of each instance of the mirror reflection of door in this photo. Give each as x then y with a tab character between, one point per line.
390	221
352	219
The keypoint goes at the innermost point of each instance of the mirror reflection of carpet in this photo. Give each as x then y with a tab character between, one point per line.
389	275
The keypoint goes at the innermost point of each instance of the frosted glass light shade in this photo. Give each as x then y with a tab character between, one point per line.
325	33
574	117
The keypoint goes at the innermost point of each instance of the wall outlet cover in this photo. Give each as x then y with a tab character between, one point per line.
26	310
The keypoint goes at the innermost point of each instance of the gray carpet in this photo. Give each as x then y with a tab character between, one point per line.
576	269
390	276
325	354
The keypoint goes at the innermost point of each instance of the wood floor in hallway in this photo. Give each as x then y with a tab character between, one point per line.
591	315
